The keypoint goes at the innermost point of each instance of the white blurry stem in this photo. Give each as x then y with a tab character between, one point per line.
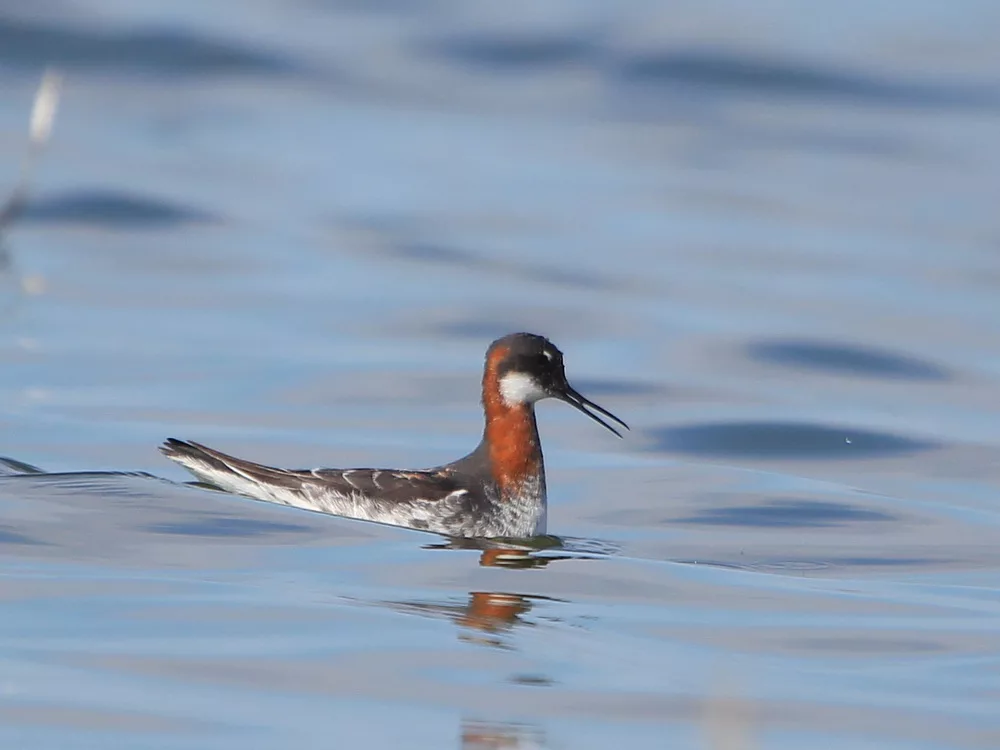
43	114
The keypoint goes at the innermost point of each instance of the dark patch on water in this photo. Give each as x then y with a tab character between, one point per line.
786	514
783	440
226	526
7	536
513	52
159	51
845	358
532	680
111	208
718	69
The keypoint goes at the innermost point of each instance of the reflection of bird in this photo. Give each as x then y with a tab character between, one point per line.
493	611
488	615
498	490
482	736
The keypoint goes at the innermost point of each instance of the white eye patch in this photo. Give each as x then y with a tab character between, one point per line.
520	388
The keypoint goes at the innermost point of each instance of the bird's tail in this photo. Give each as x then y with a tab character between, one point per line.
229	473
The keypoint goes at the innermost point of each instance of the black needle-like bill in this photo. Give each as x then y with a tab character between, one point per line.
576	400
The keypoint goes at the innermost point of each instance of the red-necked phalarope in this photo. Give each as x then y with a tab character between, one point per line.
498	490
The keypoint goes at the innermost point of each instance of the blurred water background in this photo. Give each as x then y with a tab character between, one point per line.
765	234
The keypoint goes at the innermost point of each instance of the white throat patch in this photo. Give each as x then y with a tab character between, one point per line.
520	388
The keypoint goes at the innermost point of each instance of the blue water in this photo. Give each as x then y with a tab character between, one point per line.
763	234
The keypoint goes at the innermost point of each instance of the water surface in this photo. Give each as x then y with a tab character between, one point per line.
765	238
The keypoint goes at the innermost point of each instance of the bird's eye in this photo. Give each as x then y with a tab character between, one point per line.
548	355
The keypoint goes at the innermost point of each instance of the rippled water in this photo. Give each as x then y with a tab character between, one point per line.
763	234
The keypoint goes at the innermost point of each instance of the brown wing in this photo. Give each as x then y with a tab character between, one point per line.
388	485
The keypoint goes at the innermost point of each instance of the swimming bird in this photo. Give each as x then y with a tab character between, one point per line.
497	490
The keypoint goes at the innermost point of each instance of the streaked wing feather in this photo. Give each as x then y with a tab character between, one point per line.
385	484
389	486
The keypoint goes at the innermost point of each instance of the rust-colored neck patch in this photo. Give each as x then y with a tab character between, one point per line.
511	432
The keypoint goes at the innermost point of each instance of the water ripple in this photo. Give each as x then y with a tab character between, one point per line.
847	359
789	440
787	513
112	208
717	69
161	51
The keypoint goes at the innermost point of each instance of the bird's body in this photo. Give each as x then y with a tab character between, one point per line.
497	490
455	499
